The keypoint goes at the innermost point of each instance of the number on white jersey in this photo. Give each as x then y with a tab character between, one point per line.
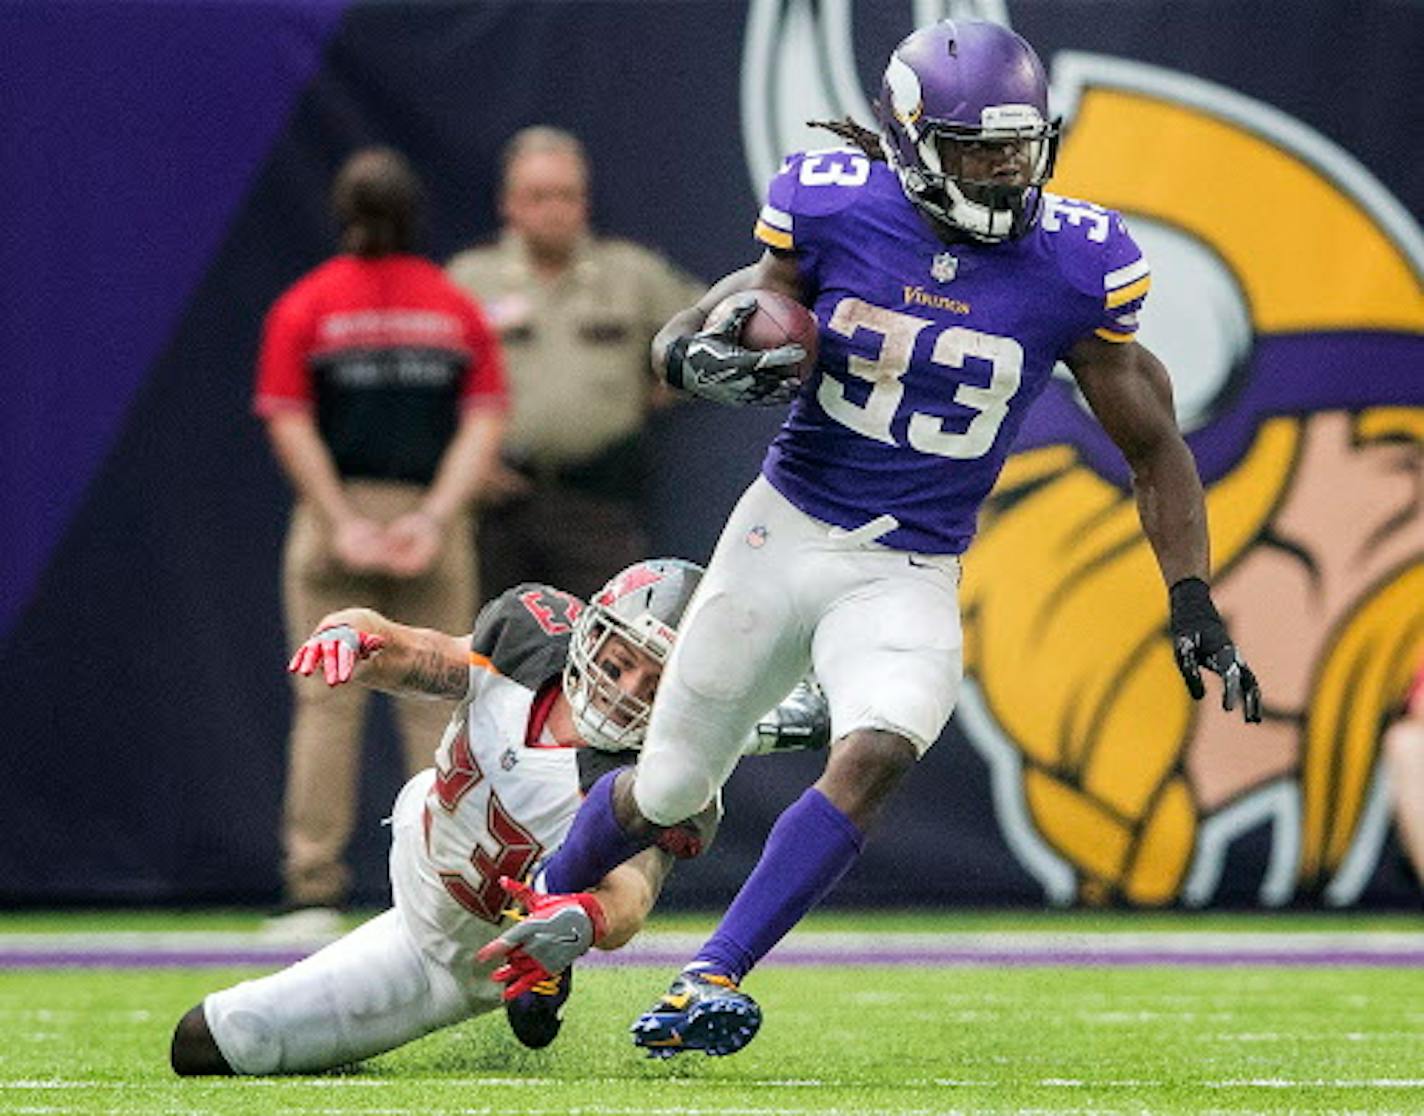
515	848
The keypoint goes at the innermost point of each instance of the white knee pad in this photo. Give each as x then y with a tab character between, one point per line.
736	656
674	789
722	633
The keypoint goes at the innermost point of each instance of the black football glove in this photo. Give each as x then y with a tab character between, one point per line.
801	722
1200	639
714	365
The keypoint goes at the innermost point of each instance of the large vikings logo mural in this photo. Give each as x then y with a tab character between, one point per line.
1288	302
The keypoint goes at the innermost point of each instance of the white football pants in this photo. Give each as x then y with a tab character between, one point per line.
782	593
404	974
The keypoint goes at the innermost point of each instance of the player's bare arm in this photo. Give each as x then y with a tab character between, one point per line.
559	928
362	645
438	668
1131	395
628	894
556	930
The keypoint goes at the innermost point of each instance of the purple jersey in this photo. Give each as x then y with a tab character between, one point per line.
930	353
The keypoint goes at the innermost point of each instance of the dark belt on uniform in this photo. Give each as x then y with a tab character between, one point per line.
615	472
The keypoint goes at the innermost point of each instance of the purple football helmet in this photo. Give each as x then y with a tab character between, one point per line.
963	114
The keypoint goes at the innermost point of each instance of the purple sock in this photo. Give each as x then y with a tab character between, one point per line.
595	845
811	846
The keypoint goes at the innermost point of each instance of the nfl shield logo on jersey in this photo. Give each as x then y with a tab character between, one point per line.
944	267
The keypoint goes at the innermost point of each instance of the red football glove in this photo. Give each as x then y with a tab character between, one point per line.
556	931
337	650
518	974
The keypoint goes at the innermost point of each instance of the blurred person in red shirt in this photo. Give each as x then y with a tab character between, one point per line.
382	387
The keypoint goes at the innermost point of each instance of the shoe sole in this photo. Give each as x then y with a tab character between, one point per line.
717	1029
548	1018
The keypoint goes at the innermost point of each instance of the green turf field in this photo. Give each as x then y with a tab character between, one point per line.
837	1040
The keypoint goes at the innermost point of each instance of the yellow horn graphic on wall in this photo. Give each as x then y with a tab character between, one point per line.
1110	783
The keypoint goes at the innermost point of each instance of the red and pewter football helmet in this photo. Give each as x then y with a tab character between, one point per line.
959	89
642	605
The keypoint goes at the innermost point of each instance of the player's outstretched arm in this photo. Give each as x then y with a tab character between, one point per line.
556	930
1131	395
362	645
629	893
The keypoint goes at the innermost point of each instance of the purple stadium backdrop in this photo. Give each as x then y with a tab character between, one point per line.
165	167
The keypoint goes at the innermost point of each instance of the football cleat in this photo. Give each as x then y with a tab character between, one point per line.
700	1011
535	1016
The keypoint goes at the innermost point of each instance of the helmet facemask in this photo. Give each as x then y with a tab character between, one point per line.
989	182
606	716
974	165
634	615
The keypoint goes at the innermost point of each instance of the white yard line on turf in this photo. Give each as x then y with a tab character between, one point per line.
338	1083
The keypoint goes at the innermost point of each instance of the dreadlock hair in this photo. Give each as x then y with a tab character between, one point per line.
377	199
857	135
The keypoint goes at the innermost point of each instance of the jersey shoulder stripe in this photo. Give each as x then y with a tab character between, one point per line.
1127	283
810	185
1100	259
483	662
774	228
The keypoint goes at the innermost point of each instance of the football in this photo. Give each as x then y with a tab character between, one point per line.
778	320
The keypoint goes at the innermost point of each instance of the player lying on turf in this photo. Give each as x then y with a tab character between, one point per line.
553	695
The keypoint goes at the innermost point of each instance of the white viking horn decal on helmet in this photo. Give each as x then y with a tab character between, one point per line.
906	99
798	64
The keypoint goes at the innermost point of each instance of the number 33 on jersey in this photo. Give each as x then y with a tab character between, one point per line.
931	352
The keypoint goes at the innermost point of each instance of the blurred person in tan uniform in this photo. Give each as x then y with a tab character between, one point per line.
576	313
382	388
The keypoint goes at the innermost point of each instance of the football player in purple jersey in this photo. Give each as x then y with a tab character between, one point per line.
947	283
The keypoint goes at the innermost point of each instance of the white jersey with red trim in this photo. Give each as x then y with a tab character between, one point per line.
501	794
504	793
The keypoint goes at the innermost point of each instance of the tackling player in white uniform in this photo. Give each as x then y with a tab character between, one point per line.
540	677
